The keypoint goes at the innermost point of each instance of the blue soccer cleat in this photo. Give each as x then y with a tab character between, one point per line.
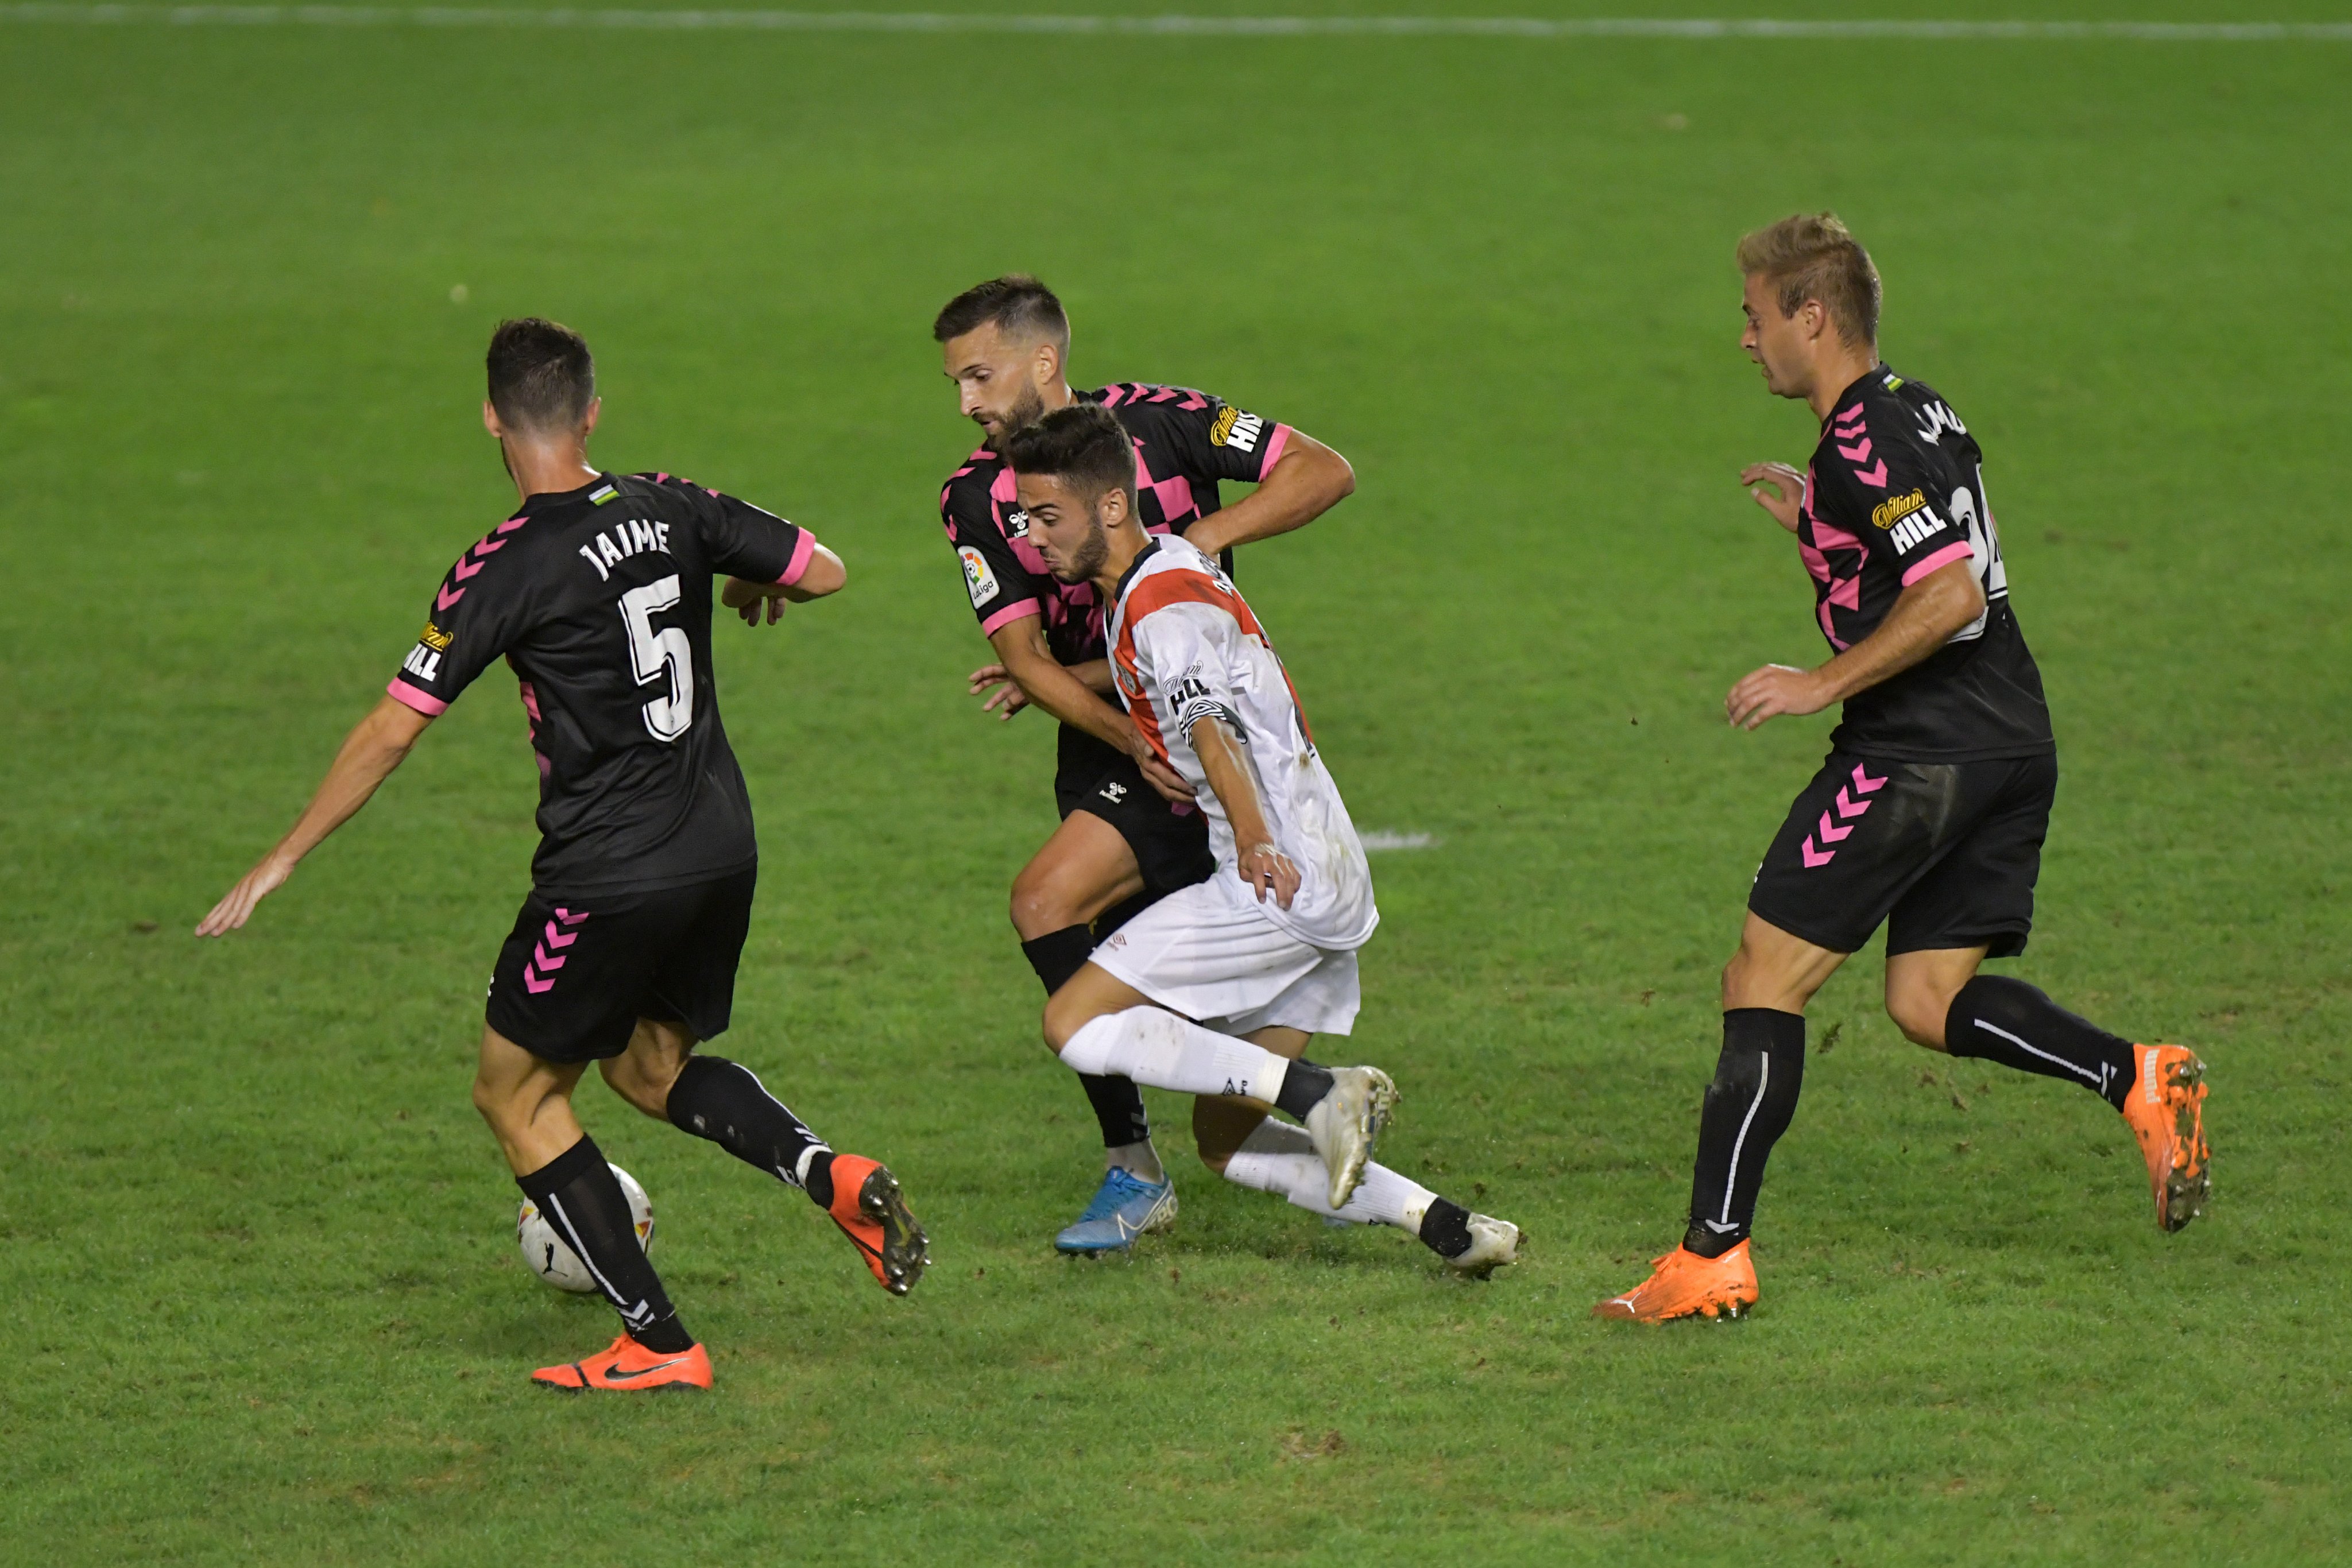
1124	1207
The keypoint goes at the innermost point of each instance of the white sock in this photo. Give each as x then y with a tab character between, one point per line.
1161	1050
1279	1158
1139	1160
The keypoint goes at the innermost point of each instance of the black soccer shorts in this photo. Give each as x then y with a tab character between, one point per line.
1170	842
576	975
1945	853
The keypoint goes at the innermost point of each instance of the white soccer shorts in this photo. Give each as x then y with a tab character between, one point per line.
1209	952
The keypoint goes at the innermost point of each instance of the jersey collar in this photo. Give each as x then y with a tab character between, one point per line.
1854	390
546	499
1150	549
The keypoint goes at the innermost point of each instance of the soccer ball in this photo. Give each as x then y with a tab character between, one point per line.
550	1258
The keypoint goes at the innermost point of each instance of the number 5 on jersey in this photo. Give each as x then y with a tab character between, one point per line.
654	653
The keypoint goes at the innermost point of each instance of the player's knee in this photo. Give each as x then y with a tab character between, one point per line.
1061	1021
494	1103
1040	905
1919	1014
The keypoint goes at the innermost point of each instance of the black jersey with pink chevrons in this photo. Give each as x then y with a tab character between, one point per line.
599	600
1895	491
1185	443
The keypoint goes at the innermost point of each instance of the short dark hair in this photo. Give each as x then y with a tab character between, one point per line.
1813	256
541	377
1084	446
1014	303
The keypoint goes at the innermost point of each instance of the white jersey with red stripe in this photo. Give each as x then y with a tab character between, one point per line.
1185	647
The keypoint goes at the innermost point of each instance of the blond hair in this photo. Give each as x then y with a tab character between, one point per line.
1813	256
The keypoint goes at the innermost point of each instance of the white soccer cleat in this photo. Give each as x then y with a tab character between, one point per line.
1493	1244
1345	1122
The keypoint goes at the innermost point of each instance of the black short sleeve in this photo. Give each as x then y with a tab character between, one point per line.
1003	589
1897	500
1210	437
474	619
742	539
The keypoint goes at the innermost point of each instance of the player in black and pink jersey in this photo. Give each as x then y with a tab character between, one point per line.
596	593
1130	833
1929	816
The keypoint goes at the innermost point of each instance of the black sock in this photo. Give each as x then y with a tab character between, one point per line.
1058	954
1302	1086
578	1194
726	1103
1445	1229
1118	1103
1996	1018
1748	1107
1118	1109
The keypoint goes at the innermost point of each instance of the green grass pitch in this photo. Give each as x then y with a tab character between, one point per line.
262	1297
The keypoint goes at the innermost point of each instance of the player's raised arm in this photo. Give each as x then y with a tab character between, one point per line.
377	745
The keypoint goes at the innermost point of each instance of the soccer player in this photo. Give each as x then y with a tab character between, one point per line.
1130	833
1215	989
596	591
1929	814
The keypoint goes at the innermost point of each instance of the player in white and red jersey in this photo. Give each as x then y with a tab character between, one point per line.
1216	990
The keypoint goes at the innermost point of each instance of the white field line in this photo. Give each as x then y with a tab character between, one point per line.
1374	842
1162	26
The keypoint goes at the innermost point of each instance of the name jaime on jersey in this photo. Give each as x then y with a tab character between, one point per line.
616	544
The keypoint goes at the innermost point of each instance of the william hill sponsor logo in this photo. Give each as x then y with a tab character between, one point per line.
1889	512
1235	429
434	638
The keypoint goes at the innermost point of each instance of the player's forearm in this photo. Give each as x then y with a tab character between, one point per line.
1308	481
1094	675
1060	691
1923	620
377	745
1232	780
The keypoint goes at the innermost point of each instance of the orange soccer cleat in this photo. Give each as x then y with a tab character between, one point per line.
872	1212
625	1363
1687	1285
2167	1112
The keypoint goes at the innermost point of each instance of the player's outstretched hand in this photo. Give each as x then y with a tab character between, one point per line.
1778	488
1771	691
1003	694
238	908
1269	869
